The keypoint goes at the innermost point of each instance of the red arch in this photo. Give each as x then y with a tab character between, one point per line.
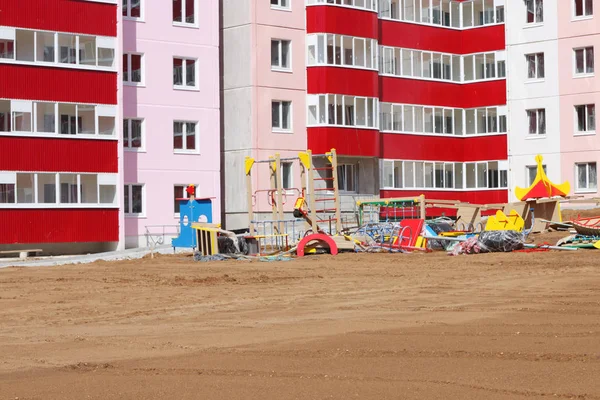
320	238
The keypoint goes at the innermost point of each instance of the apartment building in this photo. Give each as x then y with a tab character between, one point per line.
108	110
263	98
552	92
411	93
170	108
60	153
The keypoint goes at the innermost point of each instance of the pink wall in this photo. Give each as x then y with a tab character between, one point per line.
271	85
158	166
576	148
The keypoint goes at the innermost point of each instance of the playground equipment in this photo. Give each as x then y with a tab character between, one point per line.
316	208
502	222
191	210
541	186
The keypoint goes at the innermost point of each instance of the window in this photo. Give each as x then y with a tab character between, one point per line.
132	8
584	61
535	11
537	121
180	192
535	66
132	133
7	49
335	109
587	178
532	173
281	54
184	73
184	136
584	8
444	175
57	189
132	68
586	118
281	116
184	11
133	202
347	177
286	175
330	49
281	4
364	4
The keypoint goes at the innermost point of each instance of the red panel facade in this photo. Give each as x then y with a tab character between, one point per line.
341	20
440	148
59	226
347	141
350	81
73	16
444	40
55	155
436	93
27	82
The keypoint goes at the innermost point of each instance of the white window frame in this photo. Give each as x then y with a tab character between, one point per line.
183	23
130	214
129	82
535	6
313	100
585	15
290	117
291	176
586	117
536	62
279	68
128	16
102	179
142	148
279	7
538	113
341	184
184	86
185	150
585	73
586	189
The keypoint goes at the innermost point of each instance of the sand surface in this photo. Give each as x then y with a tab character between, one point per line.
379	326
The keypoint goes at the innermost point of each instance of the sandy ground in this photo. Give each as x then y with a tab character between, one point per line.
418	326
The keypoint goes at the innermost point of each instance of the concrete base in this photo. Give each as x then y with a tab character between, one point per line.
56	249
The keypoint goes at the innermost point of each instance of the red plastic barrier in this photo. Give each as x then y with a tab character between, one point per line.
317	237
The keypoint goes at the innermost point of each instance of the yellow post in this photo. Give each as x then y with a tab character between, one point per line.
336	193
304	164
249	162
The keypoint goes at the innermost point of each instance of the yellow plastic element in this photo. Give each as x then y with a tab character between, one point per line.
597	244
207	240
541	186
248	164
451	234
502	222
420	243
305	159
559	212
299	203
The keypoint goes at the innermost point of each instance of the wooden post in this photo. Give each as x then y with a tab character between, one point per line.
336	192
303	177
311	192
249	194
279	186
422	208
273	172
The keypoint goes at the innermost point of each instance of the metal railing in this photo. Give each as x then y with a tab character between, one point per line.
156	234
